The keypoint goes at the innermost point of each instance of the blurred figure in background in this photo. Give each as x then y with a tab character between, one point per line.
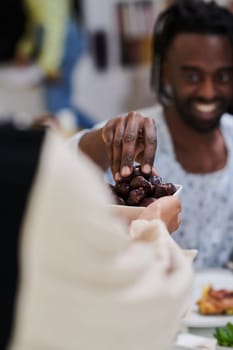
12	26
55	40
169	3
230	6
195	135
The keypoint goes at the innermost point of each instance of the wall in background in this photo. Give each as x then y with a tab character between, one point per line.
115	77
103	16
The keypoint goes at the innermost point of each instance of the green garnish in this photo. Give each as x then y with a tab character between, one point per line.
224	335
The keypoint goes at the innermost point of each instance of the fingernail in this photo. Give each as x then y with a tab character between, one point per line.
117	176
125	171
146	169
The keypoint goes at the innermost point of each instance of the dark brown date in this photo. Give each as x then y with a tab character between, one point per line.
155	180
136	196
140	181
122	189
164	189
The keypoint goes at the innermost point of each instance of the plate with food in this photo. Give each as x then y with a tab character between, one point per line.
212	304
132	212
224	337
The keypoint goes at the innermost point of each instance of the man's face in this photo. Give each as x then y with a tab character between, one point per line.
199	72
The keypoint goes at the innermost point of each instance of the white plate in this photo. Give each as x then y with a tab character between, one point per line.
220	279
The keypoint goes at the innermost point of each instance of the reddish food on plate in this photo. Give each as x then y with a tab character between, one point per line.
216	302
140	189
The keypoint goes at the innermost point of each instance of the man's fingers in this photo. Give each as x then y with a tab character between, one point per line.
129	143
127	138
108	136
150	144
117	147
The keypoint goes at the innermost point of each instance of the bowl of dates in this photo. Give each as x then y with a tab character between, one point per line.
140	190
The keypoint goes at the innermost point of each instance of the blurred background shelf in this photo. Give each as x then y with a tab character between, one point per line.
111	92
21	91
122	82
112	77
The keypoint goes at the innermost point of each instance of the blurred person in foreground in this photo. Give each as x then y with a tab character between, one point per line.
55	39
192	75
83	279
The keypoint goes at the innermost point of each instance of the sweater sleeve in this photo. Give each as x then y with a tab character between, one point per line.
84	273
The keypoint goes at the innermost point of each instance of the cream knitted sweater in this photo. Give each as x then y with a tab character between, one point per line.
87	282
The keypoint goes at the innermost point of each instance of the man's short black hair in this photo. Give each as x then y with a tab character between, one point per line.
186	16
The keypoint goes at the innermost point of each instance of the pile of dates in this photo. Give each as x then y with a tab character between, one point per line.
140	189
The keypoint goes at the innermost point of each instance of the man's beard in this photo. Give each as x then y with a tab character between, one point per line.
199	125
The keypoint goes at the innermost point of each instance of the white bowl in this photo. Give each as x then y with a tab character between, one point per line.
178	189
132	212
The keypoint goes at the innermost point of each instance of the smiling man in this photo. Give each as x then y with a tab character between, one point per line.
192	76
199	87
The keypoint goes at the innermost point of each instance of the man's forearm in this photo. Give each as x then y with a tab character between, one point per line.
93	146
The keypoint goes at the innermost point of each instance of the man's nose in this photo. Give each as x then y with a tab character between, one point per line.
208	89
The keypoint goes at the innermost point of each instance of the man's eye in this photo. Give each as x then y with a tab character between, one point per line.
225	77
192	77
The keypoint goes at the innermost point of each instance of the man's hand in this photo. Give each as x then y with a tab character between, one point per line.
130	138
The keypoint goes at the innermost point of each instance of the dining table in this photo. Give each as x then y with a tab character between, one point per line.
197	331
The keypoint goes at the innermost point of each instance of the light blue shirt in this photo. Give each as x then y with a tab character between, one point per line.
207	199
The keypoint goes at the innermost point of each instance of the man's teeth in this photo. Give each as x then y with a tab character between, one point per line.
206	108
